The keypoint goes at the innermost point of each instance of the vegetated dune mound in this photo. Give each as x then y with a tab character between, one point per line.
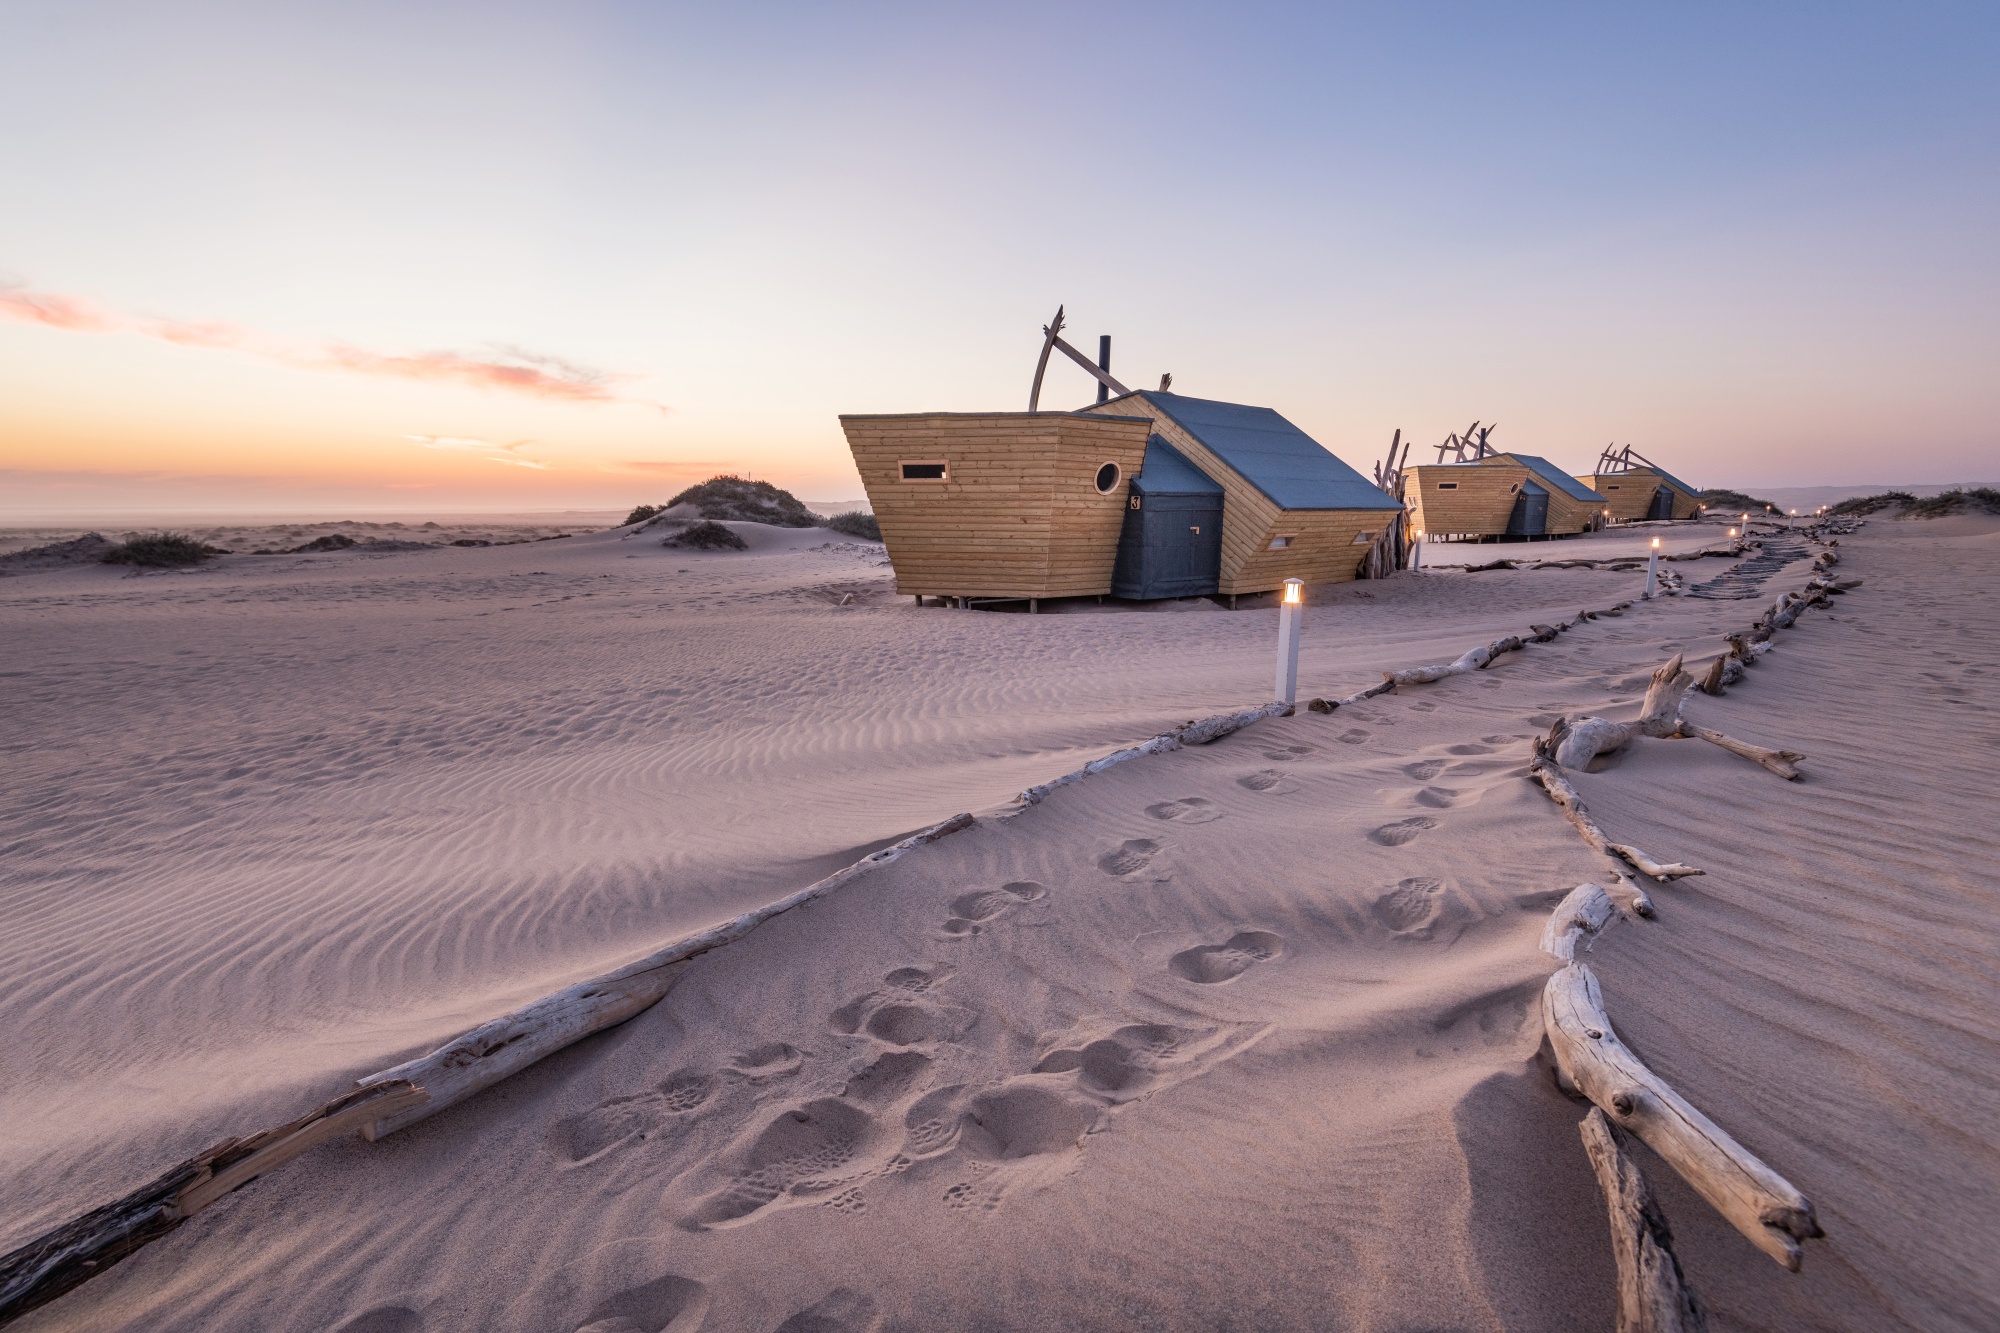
1976	500
706	536
1722	498
88	549
739	500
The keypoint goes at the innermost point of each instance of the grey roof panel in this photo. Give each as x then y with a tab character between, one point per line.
1167	471
1557	478
1286	464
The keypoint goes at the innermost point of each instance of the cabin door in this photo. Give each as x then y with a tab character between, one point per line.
1663	503
1531	512
1171	547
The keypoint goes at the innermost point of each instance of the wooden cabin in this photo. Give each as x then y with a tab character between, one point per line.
1290	509
1644	491
999	505
1501	495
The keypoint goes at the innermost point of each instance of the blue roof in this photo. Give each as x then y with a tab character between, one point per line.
1556	477
1291	468
1168	472
1678	483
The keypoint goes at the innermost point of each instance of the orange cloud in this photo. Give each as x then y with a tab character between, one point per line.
513	371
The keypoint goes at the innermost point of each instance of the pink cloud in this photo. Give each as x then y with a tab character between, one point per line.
512	371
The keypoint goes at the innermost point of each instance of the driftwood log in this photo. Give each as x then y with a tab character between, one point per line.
1574	741
53	1263
1584	911
1756	1200
512	1042
1476	659
1188	733
1545	771
1653	1295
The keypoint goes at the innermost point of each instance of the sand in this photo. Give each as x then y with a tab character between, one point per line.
1241	1036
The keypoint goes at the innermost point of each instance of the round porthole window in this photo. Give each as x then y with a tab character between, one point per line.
1107	478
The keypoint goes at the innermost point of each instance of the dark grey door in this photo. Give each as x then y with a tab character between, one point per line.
1531	512
1663	503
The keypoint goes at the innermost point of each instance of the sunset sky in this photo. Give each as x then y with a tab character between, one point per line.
408	256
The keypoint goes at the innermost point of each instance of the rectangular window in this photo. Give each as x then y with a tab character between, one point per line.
1610	488
1363	538
1280	543
926	470
1447	485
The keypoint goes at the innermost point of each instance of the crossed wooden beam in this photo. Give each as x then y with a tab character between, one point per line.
1052	340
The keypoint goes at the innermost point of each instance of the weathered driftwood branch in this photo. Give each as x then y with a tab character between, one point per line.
1328	705
1756	1200
1575	741
1584	911
51	1264
1545	771
512	1042
1476	659
1653	1295
1188	733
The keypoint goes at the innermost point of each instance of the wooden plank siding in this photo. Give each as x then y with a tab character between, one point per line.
1019	514
1630	493
1324	545
1483	499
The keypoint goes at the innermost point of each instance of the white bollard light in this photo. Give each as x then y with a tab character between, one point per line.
1653	568
1417	550
1792	518
1291	610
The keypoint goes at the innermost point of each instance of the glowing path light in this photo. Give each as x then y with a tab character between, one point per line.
1653	568
1291	611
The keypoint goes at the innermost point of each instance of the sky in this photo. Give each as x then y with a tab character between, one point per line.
413	256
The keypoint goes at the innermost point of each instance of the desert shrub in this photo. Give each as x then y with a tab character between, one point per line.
738	500
1737	500
855	524
707	536
640	515
161	550
1873	504
332	541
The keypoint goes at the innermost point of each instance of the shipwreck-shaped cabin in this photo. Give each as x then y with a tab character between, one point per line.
1148	495
1501	495
1289	508
999	505
1644	491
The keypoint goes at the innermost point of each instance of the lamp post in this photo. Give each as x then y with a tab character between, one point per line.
1653	568
1791	519
1417	549
1291	610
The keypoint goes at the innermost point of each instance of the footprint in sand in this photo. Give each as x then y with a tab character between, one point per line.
1411	908
1187	810
671	1304
901	1013
810	1150
1286	752
384	1319
840	1311
1425	770
1131	856
1498	740
1423	706
579	1138
972	910
1352	736
1212	964
931	1126
891	1078
776	1060
1443	798
1402	831
1468	748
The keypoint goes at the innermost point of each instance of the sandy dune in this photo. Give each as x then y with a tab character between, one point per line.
1240	1036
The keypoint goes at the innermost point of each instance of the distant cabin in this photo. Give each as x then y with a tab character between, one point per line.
1502	495
1289	508
1148	495
1644	493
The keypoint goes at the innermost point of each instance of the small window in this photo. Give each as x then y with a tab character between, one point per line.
1447	485
1363	538
1610	488
1107	478
1280	543
928	470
